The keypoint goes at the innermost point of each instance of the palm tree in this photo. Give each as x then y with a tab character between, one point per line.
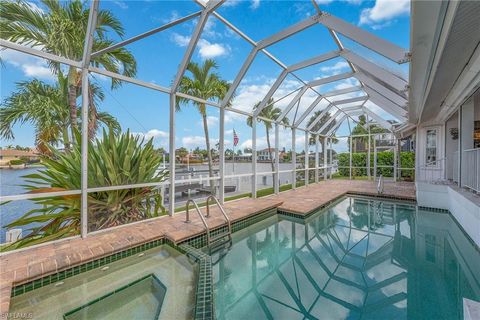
320	124
268	112
61	30
206	84
359	129
46	107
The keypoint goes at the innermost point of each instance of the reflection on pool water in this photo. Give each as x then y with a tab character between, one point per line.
361	258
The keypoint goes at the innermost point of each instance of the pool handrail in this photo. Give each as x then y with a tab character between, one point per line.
380	186
199	214
221	209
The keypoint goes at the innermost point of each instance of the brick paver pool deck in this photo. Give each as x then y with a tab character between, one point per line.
28	264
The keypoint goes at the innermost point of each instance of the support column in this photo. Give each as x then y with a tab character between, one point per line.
395	161
350	156
325	155
368	150
84	150
276	180
374	158
221	151
307	172
294	161
331	158
171	160
254	157
466	142
459	155
87	50
317	159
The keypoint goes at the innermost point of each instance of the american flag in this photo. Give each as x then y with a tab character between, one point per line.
235	138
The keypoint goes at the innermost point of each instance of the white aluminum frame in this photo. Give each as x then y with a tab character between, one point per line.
389	94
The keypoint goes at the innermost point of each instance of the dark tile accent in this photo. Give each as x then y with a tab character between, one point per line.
433	209
204	305
76	270
66	315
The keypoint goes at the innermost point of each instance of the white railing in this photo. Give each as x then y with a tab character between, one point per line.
455	167
471	179
432	172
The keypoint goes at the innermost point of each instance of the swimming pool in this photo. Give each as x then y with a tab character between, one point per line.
361	258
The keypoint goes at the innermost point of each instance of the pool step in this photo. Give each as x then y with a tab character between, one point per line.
220	236
218	242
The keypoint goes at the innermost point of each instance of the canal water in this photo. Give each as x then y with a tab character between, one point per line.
12	181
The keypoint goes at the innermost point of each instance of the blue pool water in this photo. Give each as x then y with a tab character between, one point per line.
359	259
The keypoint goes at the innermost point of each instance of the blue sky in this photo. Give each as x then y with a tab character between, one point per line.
145	112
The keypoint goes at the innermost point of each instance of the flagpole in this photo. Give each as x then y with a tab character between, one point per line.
233	157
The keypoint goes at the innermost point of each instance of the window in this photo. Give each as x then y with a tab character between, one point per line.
431	150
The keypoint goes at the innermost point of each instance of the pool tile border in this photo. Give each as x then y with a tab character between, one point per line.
431	209
204	307
76	270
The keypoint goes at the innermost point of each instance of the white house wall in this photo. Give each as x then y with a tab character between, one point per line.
434	172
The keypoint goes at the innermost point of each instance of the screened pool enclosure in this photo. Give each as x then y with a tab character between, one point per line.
370	105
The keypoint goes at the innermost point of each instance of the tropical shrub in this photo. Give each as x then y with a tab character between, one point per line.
16	162
112	160
384	158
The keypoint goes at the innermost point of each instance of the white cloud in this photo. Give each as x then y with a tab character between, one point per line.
340	65
384	11
230	3
173	16
211	121
160	138
347	83
255	4
121	4
206	48
31	66
248	94
181	41
209	29
353	2
211	50
155	133
191	142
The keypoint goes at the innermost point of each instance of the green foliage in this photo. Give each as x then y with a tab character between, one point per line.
384	158
204	82
113	160
16	162
45	106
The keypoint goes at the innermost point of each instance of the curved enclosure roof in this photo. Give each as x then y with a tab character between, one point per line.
374	89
